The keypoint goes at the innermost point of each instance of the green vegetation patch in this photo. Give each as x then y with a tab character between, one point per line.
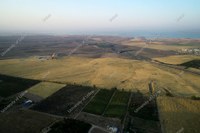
118	105
99	102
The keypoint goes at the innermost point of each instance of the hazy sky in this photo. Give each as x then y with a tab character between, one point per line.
79	16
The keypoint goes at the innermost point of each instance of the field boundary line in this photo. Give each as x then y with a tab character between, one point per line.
94	126
160	120
109	103
127	110
48	128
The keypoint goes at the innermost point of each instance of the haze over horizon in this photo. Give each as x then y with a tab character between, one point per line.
99	17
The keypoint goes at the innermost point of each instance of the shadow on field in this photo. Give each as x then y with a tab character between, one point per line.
145	119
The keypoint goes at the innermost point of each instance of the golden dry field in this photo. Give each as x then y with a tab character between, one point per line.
161	44
45	89
102	72
158	46
177	59
179	115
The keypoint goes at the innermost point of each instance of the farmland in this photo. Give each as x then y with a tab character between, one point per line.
63	100
143	118
108	107
102	72
118	105
12	85
109	103
177	59
101	84
45	89
148	112
31	121
100	66
179	113
163	43
99	102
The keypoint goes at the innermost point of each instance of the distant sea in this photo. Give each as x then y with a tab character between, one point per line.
180	34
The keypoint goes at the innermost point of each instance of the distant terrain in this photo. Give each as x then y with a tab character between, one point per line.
98	83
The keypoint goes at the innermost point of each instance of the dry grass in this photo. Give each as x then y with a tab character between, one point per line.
177	59
178	113
159	45
102	72
45	89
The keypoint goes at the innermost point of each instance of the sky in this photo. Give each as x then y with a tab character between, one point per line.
98	16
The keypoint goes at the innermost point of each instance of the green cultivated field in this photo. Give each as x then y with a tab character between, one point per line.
99	102
116	108
118	105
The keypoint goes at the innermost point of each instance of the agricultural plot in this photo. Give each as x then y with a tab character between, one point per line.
143	118
63	100
138	125
118	105
24	121
102	72
45	89
12	85
99	102
149	111
178	114
177	59
109	103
